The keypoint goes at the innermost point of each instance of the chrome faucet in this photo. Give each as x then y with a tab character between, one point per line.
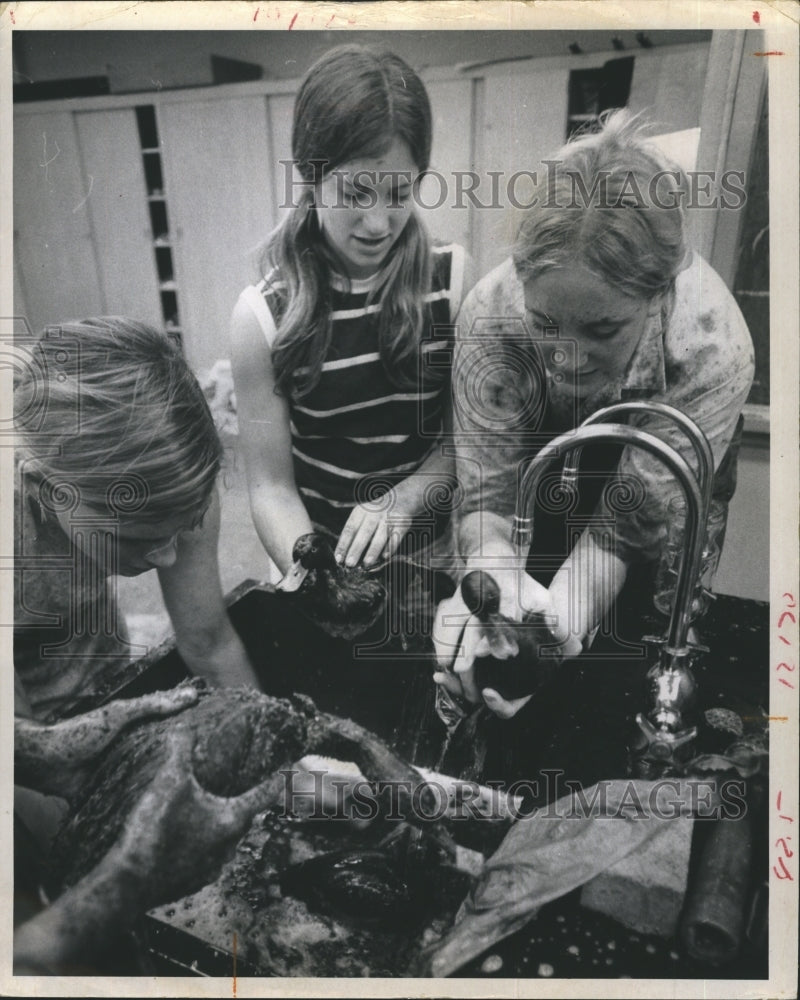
665	736
698	440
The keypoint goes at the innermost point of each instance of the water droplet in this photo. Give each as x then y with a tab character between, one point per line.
491	964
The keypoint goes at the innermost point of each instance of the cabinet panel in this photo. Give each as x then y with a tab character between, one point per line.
668	87
219	179
54	240
281	109
117	206
451	104
522	120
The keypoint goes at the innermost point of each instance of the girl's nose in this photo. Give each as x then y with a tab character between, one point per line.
165	555
376	220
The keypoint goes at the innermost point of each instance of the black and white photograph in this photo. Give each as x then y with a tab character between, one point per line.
399	489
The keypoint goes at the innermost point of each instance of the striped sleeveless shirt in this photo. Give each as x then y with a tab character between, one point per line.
356	433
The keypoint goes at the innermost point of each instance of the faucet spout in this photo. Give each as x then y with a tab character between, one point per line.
676	645
698	440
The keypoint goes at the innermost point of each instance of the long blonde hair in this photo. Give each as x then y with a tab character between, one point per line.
108	414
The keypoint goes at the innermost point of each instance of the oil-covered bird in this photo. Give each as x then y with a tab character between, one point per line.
522	655
344	601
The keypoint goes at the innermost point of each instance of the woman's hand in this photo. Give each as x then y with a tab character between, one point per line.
52	758
374	529
458	639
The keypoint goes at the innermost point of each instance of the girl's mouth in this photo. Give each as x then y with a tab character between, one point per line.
368	243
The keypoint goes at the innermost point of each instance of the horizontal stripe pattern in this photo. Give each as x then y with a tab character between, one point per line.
356	425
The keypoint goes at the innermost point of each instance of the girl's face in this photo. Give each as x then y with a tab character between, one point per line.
598	327
140	546
364	205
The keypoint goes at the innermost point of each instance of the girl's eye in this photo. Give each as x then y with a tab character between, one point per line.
540	325
605	334
357	198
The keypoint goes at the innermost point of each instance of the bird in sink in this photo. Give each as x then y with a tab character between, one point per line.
344	601
521	655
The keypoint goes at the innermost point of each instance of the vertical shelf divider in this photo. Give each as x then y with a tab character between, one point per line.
159	218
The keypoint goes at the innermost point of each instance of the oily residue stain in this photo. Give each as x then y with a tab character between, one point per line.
707	321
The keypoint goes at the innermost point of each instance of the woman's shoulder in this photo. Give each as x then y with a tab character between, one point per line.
707	325
262	303
269	286
500	291
705	306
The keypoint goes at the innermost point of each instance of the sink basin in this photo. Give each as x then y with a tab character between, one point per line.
373	679
574	729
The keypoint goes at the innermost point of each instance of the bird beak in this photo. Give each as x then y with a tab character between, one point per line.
293	579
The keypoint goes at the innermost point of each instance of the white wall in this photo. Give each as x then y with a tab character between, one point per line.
159	60
744	566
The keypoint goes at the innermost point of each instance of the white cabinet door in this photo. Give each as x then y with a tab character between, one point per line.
116	205
280	112
521	121
451	105
219	185
54	240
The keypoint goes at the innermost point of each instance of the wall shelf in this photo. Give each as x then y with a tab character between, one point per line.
157	205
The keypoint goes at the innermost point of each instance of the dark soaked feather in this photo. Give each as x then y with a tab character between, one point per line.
344	601
531	642
358	884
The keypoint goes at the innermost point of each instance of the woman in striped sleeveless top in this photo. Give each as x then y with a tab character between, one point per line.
341	353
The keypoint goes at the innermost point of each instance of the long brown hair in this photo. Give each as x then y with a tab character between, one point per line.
352	103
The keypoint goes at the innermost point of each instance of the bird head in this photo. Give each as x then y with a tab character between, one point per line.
310	552
481	594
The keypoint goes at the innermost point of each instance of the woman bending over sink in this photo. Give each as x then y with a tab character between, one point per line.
601	302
